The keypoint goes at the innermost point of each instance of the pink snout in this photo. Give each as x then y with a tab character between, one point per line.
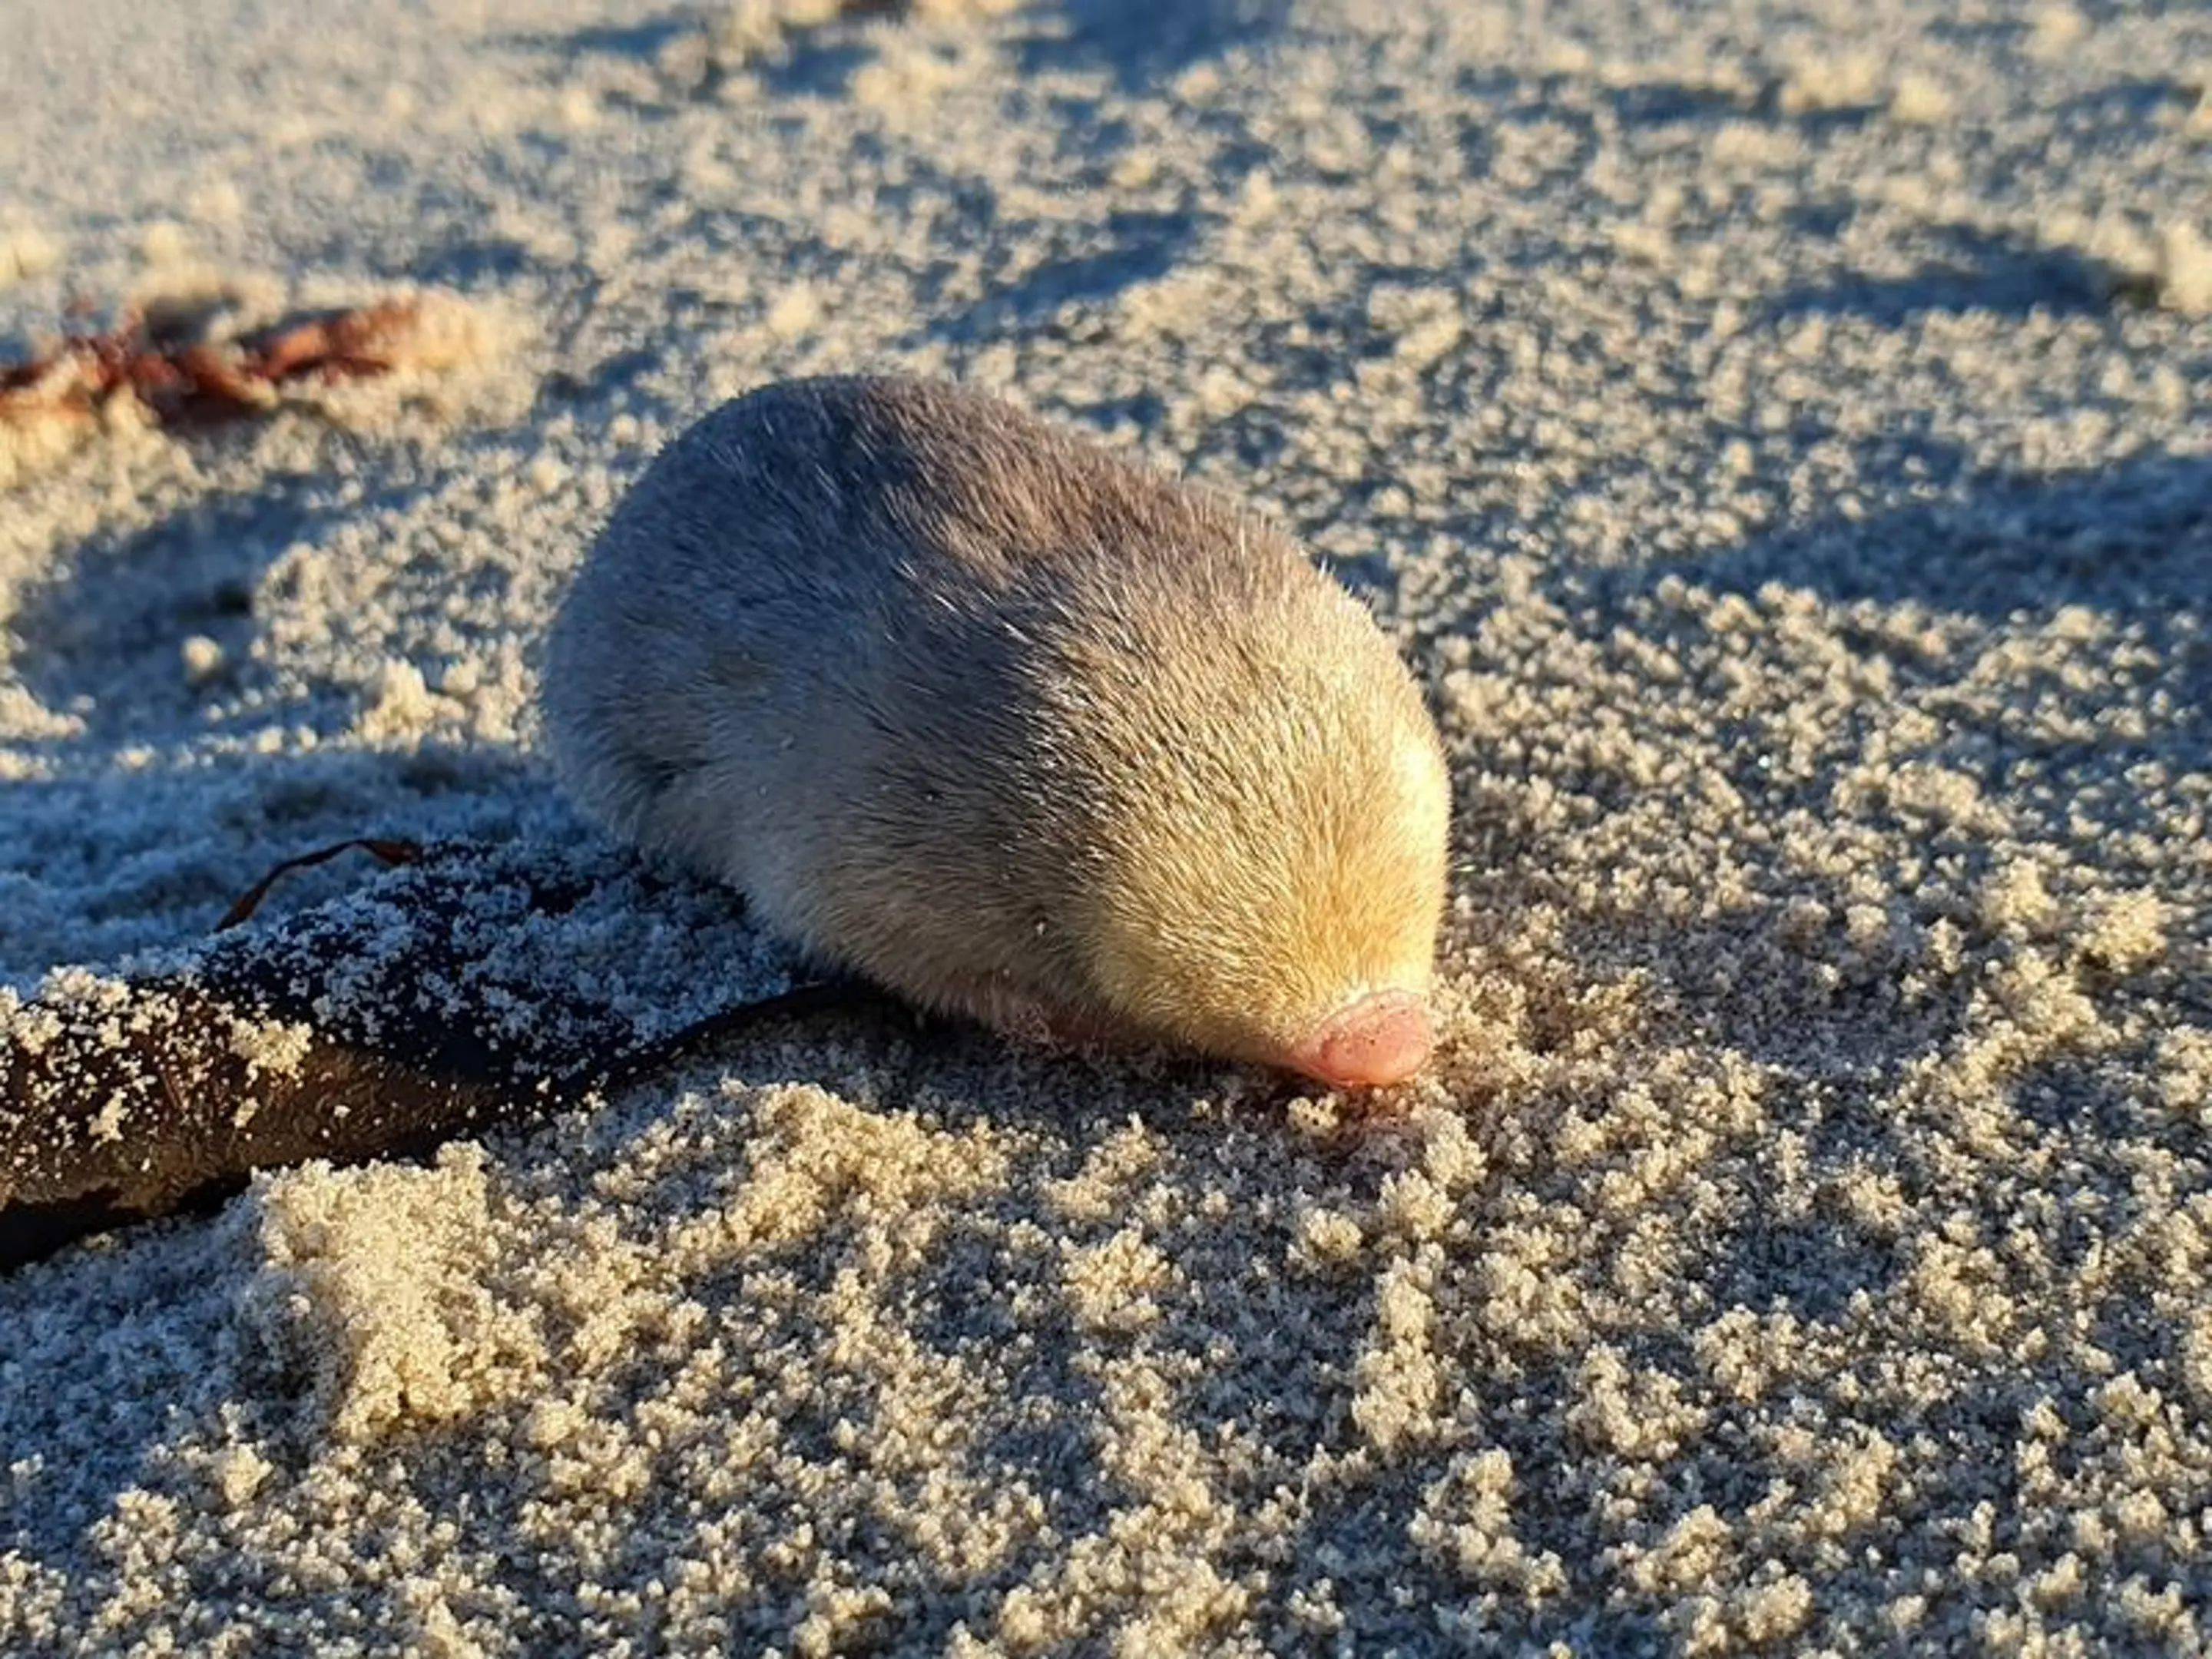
1384	1037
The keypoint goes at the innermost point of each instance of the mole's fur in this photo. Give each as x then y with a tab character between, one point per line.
966	704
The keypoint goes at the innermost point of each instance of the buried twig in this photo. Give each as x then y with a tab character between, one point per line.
122	1099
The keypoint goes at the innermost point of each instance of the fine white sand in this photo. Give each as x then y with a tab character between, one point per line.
1778	432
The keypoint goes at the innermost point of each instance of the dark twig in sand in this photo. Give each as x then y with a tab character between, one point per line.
125	1099
390	853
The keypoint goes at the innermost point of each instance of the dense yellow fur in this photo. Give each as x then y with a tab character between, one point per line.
968	705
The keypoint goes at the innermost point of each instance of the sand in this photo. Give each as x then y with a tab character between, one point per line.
1778	434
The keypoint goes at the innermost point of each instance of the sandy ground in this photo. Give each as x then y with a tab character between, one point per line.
1778	432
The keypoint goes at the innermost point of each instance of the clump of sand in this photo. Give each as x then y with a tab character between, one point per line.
1753	431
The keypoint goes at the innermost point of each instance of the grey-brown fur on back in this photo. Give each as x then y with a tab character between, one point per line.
882	653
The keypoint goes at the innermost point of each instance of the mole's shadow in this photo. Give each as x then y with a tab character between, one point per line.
91	848
104	639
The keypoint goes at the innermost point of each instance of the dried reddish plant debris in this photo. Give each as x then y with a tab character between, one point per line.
177	379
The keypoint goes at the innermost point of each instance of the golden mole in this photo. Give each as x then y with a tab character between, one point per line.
966	705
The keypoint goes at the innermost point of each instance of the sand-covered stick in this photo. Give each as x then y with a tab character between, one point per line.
429	1005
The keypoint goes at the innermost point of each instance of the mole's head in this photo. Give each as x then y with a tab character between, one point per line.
1270	846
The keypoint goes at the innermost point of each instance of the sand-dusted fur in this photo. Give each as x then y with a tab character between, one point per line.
967	704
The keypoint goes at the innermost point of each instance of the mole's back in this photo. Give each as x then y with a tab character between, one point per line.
805	554
974	707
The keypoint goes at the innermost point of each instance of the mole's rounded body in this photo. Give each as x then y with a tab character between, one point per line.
966	704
